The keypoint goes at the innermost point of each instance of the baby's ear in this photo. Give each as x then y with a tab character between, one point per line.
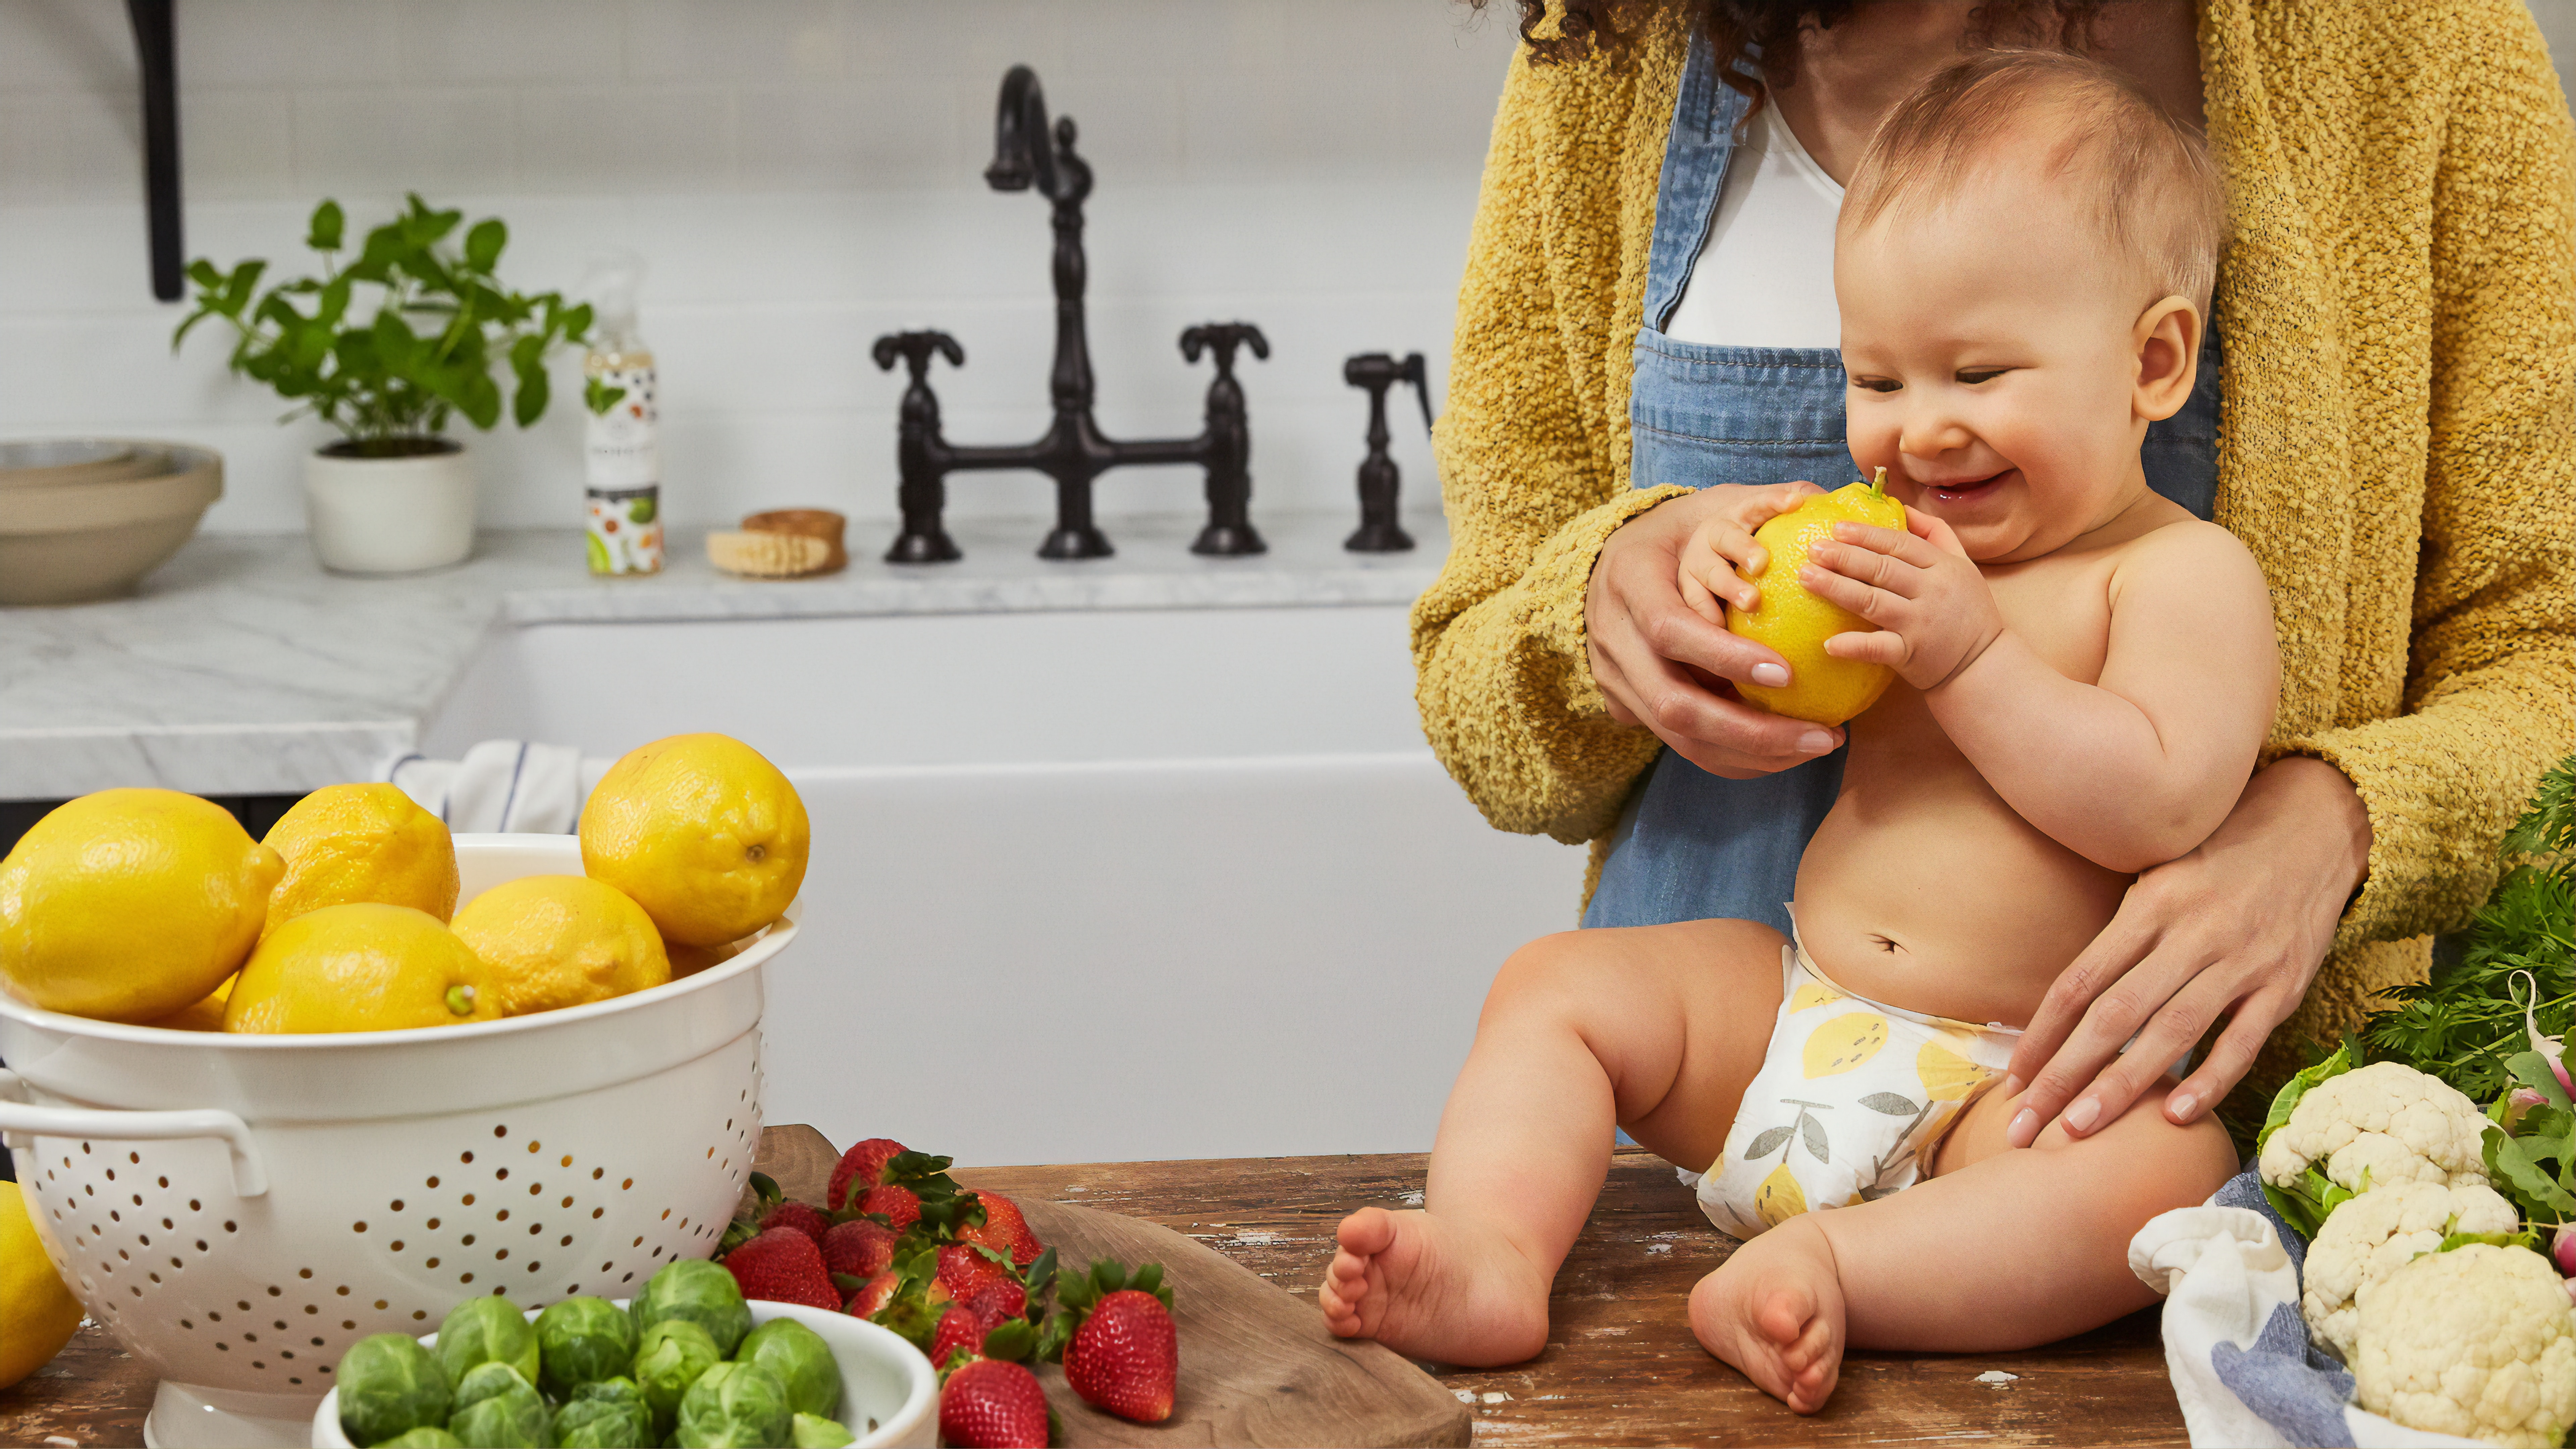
2166	344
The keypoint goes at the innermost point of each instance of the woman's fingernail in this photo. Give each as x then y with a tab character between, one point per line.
2080	1117
1772	675
2180	1106
1815	742
2025	1126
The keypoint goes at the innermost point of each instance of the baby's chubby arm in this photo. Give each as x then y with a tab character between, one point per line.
2130	771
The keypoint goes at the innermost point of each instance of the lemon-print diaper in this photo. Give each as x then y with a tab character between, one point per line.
1852	1098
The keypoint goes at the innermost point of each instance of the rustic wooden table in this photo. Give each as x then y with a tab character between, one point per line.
1620	1366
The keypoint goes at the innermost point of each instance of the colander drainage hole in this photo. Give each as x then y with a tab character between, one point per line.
532	1149
303	1272
433	1182
500	1131
397	1204
432	1263
433	1224
469	1199
194	1206
274	1292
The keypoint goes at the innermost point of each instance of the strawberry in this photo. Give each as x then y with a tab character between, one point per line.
989	1404
1003	1230
873	1295
964	1270
1124	1355
959	1328
801	1216
859	1247
999	1300
783	1265
864	1164
900	1205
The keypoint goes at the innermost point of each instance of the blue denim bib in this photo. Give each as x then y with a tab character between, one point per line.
1691	845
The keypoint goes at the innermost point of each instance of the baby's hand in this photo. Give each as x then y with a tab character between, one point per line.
1721	559
1934	611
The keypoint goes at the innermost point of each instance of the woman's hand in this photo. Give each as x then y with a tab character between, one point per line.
2238	926
1661	665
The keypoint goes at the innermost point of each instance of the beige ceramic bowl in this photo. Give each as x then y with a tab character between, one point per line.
87	518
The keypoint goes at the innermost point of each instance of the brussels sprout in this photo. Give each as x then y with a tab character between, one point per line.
486	1330
734	1406
813	1431
802	1361
702	1292
496	1408
581	1339
390	1385
617	1389
427	1436
602	1424
668	1359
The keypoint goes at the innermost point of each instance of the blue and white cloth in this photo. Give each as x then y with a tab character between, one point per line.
2236	1345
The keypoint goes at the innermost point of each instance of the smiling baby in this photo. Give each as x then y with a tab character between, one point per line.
2085	673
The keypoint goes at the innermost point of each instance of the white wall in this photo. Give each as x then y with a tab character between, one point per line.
803	175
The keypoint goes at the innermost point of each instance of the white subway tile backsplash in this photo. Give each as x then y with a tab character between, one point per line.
480	42
702	40
627	139
429	141
801	176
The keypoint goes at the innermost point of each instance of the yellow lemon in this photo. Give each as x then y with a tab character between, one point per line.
348	843
127	905
699	830
1844	1043
206	1015
360	967
1946	1075
38	1315
690	960
560	940
1778	1198
1796	623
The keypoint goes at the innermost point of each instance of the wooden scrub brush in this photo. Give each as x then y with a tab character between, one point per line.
785	543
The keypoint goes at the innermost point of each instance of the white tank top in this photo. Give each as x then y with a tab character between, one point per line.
1765	277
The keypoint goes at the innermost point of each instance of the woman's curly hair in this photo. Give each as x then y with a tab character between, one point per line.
1739	29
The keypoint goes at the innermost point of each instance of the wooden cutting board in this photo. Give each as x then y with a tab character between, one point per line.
1257	1365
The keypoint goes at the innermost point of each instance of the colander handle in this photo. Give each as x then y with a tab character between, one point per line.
21	1120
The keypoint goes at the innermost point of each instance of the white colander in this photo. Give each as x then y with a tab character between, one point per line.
238	1210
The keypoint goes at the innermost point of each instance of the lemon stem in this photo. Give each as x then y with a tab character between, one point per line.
460	1000
1878	485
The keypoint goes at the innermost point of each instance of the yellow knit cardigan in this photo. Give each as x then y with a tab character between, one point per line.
2398	432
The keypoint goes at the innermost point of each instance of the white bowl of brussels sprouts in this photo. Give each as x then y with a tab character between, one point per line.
688	1362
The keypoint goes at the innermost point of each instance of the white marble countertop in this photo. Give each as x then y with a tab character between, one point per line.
242	668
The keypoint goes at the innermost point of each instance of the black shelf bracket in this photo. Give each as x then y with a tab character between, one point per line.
157	64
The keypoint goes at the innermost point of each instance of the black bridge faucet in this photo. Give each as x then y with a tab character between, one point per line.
1073	450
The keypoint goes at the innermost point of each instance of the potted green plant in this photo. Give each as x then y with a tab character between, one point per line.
394	494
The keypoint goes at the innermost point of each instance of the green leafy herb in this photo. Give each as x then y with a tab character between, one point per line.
2466	1024
441	325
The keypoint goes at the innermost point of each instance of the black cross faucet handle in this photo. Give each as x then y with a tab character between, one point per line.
1222	338
915	349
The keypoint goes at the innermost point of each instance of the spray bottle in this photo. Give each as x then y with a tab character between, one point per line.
621	445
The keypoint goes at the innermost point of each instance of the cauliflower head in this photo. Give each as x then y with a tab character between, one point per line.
2378	1233
2379	1125
2478	1341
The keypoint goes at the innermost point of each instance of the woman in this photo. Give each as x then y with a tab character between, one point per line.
2395	316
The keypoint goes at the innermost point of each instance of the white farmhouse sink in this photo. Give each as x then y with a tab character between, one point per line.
1086	885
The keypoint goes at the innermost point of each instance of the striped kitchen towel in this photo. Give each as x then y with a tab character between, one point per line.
502	785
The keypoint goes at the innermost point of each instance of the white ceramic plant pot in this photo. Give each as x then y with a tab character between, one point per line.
390	515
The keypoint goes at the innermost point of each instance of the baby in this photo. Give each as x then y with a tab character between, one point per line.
2084	674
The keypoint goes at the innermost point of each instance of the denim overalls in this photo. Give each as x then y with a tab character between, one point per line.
1691	845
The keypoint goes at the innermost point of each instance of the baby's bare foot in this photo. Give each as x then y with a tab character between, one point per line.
1434	1288
1775	1311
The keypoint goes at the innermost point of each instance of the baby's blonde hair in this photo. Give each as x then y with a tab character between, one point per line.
2145	176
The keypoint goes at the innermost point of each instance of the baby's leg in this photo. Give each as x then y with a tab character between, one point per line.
1656	1027
2002	1249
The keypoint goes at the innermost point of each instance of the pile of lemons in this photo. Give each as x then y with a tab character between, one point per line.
155	908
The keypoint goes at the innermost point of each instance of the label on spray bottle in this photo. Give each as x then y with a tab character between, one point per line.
622	468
